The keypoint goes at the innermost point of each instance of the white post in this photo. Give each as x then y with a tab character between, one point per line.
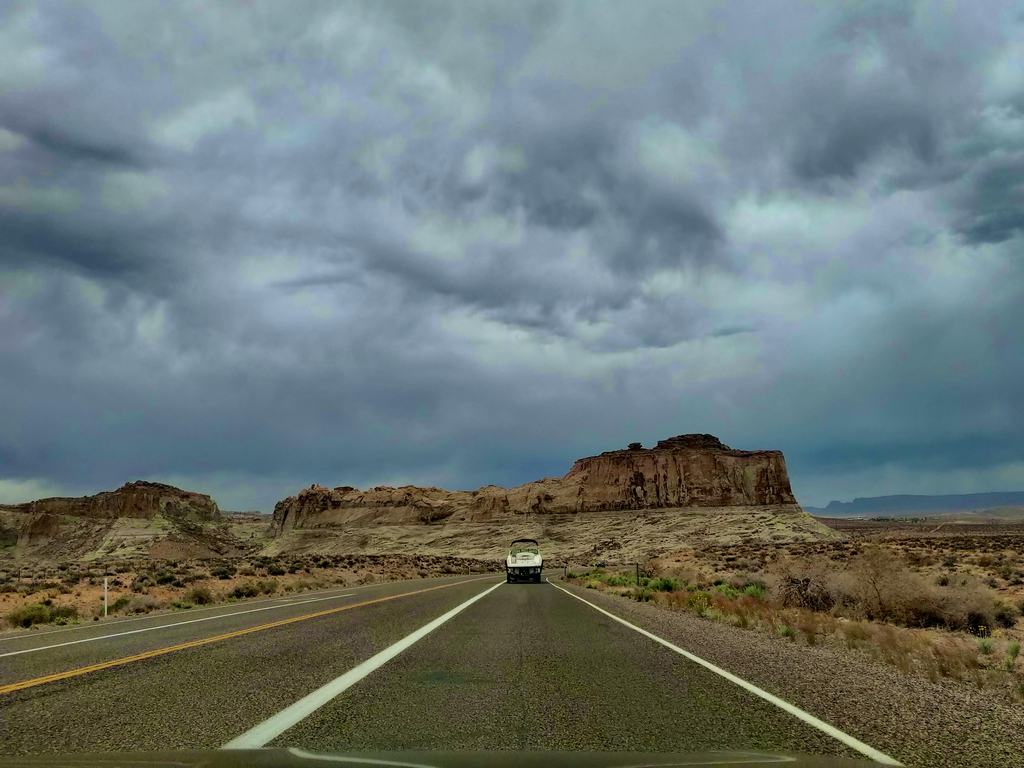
104	597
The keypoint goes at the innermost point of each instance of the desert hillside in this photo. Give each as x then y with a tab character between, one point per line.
138	519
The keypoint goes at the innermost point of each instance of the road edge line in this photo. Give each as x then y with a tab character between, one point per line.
273	727
821	725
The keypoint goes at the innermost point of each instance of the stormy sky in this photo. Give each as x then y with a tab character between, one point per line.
249	247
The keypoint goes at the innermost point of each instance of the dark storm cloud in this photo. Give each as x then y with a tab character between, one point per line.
68	148
464	244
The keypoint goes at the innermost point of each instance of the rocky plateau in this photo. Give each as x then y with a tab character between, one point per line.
689	487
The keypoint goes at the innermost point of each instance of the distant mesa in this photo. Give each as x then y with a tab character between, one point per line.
140	499
138	519
694	470
913	504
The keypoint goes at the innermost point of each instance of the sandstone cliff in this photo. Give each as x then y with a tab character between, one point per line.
681	472
139	500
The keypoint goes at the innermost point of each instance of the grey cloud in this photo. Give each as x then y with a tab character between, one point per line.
333	287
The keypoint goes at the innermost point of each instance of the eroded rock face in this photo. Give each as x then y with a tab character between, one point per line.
139	499
683	471
38	527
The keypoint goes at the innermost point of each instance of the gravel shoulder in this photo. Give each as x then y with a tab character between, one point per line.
918	722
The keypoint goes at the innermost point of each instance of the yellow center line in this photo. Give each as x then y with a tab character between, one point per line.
11	688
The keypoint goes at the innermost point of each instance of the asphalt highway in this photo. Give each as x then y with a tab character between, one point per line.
434	664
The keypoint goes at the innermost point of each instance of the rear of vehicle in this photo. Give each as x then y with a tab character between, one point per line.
524	562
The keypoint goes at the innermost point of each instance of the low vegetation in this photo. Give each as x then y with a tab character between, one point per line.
871	602
38	613
140	586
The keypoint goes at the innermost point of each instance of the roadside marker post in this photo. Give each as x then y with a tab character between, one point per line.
104	597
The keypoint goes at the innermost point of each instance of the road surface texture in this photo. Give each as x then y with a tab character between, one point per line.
463	664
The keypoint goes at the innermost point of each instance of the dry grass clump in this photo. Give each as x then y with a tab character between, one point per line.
876	586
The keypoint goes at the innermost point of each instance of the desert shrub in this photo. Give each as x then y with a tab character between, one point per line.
641	595
165	578
728	591
985	645
665	584
809	630
247	571
786	630
699	602
951	659
275	569
28	615
756	591
805	592
593	584
246	589
63	612
199	596
1012	651
942	580
267	586
181	605
142	604
142	582
119	605
71	579
223	571
619	580
324	564
123	568
855	632
1005	614
422	573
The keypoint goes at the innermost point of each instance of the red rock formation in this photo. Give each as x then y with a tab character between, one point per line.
138	499
683	471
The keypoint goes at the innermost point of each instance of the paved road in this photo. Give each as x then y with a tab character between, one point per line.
521	667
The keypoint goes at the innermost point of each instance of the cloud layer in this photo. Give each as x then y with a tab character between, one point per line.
250	248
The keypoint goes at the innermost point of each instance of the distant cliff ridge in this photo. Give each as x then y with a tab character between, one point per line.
903	504
140	499
683	471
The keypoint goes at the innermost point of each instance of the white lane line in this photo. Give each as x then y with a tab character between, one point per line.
168	626
821	725
270	729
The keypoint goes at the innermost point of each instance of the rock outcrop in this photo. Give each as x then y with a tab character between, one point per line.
139	499
38	527
683	471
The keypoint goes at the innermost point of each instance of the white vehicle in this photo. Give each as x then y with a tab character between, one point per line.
524	561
